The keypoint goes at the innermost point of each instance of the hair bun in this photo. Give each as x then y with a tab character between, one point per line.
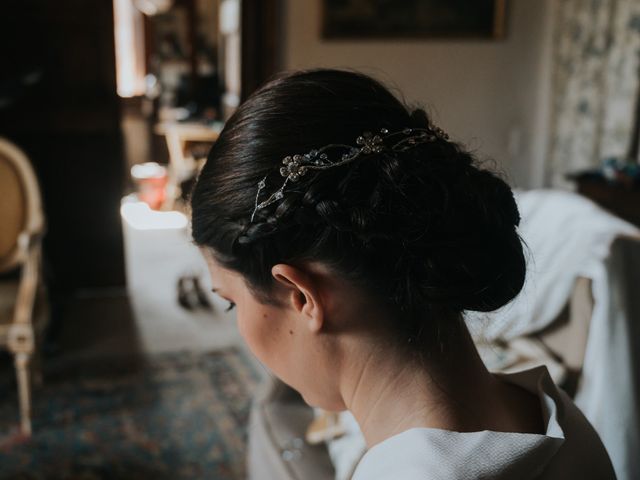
489	280
498	279
419	118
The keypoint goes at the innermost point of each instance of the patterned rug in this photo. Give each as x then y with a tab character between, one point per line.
170	416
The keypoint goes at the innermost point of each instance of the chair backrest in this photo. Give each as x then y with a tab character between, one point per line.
20	203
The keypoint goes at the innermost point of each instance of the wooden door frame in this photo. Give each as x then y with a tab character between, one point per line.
261	42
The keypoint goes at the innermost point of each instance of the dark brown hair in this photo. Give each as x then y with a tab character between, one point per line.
426	233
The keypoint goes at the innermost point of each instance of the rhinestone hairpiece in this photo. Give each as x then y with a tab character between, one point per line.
296	166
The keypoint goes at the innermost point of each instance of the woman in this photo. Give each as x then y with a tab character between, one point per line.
352	234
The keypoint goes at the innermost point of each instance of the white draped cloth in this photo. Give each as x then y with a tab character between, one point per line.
569	236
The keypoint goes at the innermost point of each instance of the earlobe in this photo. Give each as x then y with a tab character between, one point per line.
315	321
301	298
309	309
313	311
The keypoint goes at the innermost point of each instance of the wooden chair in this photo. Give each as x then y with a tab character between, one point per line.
23	306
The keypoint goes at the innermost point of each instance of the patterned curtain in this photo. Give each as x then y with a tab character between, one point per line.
595	84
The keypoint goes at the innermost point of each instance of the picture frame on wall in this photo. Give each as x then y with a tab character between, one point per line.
448	19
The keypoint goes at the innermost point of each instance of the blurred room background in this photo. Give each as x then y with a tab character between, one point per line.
120	362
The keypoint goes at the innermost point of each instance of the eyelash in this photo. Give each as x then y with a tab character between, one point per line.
230	307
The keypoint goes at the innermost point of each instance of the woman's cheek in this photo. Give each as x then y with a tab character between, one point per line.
267	339
244	327
252	331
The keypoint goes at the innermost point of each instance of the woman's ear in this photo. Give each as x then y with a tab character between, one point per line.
303	294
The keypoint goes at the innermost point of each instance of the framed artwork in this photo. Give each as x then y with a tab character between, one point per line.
413	18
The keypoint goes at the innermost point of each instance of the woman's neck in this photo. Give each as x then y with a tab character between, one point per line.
388	394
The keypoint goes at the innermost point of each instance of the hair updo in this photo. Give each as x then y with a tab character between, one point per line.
427	233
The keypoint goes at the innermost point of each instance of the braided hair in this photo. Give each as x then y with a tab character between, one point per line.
427	233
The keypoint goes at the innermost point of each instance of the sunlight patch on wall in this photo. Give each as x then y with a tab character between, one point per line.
129	43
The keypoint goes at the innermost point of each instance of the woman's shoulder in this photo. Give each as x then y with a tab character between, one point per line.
569	447
581	453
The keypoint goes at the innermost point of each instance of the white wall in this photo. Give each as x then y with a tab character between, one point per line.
491	95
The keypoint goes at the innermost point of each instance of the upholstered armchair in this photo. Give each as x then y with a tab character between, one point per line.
23	311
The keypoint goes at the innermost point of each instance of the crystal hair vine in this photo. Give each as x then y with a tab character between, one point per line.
296	166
